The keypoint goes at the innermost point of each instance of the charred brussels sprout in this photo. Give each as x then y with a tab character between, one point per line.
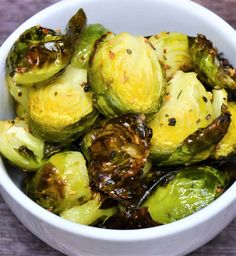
212	69
37	55
83	50
118	151
186	107
227	146
61	183
90	212
172	50
131	218
192	189
19	146
40	53
125	75
62	109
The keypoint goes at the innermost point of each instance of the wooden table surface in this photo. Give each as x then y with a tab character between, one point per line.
15	239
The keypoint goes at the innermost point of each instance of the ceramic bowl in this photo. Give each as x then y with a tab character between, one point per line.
139	17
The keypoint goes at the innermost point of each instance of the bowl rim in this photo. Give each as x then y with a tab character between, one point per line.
9	187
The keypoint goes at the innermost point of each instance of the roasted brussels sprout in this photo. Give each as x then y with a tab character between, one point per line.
125	75
61	183
62	109
187	106
211	68
192	189
83	50
118	151
40	53
37	55
19	146
227	146
172	50
89	213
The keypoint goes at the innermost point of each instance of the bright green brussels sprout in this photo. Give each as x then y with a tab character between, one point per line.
62	109
211	68
192	189
118	150
89	213
227	146
40	53
125	75
186	107
20	94
82	51
61	183
19	146
172	50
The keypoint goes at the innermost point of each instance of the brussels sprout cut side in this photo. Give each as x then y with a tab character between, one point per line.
61	183
186	119
61	110
172	50
125	75
19	146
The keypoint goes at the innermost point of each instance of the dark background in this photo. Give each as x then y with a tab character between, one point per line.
15	239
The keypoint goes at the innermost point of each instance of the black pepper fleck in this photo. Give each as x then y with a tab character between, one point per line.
208	116
19	94
129	51
204	99
172	121
198	121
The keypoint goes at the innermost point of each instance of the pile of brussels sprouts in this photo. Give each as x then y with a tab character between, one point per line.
116	130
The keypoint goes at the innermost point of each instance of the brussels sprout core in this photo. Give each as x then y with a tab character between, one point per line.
125	75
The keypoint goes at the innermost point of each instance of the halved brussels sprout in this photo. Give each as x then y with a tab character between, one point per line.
61	183
83	50
62	109
19	146
172	50
125	75
89	213
211	68
192	189
186	107
118	151
227	146
40	53
37	55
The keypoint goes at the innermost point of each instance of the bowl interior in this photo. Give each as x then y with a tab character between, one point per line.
134	16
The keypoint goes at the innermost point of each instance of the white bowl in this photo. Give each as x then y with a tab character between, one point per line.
178	238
